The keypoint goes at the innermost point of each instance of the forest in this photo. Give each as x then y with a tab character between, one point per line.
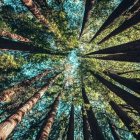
69	69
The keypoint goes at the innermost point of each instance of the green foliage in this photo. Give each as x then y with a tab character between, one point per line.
63	38
9	63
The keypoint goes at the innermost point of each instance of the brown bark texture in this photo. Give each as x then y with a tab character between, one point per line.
8	125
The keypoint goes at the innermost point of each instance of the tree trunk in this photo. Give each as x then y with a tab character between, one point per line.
124	95
45	9
36	12
127	24
88	7
96	131
42	4
135	8
128	57
86	127
126	72
131	84
70	133
20	46
123	48
13	36
113	131
125	118
6	44
7	126
7	94
46	128
123	6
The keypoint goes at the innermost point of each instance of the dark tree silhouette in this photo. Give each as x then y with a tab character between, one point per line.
123	6
135	8
130	83
125	118
7	44
96	131
126	57
86	127
113	130
126	72
124	95
123	48
70	132
127	24
88	7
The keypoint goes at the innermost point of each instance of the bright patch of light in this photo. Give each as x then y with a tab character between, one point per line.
71	68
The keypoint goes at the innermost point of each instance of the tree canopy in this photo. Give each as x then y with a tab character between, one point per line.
69	69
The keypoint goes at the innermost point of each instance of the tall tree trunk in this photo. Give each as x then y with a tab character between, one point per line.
124	95
135	8
96	131
7	94
20	46
127	24
7	44
42	4
88	7
70	133
7	126
128	57
123	6
123	48
86	127
46	128
35	11
126	72
44	8
125	118
132	84
113	130
13	36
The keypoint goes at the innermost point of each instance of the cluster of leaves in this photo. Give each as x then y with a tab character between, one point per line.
9	63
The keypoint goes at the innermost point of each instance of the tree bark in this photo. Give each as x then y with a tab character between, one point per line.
131	84
46	128
124	95
8	93
7	126
70	133
14	45
96	131
125	118
123	48
113	130
43	5
13	36
88	7
36	12
123	6
127	24
126	72
86	127
126	57
135	8
7	44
